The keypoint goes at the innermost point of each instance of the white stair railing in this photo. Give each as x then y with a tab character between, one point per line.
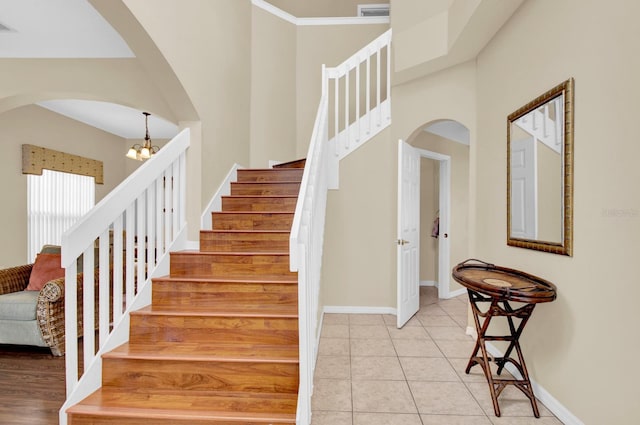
360	88
360	123
131	231
546	124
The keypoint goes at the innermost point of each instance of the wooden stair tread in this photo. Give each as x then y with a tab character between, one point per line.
269	311
208	352
261	196
180	405
213	280
228	253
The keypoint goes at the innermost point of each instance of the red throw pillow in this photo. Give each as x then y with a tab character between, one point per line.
46	268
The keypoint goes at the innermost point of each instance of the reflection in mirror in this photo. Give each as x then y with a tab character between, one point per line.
539	198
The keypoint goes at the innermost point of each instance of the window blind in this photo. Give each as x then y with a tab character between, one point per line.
55	201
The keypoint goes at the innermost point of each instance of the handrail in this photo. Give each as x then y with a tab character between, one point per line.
130	230
305	247
320	173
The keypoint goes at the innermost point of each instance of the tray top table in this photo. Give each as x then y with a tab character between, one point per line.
497	287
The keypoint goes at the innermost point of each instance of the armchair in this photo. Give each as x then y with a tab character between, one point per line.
34	318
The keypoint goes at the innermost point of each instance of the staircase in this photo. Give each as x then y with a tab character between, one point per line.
219	343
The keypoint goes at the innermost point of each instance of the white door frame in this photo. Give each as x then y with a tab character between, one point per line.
444	246
444	201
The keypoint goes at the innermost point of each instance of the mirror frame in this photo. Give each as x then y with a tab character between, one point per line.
565	247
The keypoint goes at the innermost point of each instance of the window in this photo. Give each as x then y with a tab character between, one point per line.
55	201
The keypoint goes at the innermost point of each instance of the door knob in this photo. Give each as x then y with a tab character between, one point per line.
402	242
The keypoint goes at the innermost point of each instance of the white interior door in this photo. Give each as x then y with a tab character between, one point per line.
408	251
524	202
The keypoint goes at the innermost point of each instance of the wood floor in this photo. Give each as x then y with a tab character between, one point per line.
32	387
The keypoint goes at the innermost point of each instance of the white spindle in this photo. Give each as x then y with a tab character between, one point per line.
150	245
368	108
358	101
336	107
117	269
88	305
346	109
141	249
168	235
378	84
71	325
175	199
130	252
104	287
159	218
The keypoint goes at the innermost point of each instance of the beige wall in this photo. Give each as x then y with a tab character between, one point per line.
208	45
324	8
360	234
273	89
359	265
458	227
38	126
582	348
429	201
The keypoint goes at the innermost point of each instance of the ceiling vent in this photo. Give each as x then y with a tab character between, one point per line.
373	9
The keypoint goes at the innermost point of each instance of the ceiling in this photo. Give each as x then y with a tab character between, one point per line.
73	29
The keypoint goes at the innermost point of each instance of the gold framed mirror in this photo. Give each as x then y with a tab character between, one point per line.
540	172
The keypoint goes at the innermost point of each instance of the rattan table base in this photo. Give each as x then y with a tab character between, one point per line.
480	356
491	291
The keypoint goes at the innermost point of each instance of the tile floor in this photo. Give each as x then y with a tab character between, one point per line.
371	373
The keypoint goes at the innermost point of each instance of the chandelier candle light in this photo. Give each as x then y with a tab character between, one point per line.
142	152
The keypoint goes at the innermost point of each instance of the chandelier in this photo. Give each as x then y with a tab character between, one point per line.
145	151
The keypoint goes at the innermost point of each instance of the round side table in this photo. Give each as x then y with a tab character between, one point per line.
491	289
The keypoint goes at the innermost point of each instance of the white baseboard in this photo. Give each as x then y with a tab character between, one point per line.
359	310
550	402
428	283
456	293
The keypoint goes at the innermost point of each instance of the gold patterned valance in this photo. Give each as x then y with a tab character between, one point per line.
36	158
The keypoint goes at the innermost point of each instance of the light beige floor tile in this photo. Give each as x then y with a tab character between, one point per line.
512	401
391	320
333	347
333	367
335	331
445	320
331	418
431	310
428	369
462	321
382	397
366	319
372	347
332	394
416	348
376	368
408	332
525	421
447	333
456	349
386	419
454	308
454	420
368	332
335	319
446	398
475	374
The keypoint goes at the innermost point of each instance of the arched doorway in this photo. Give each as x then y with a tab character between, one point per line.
433	176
